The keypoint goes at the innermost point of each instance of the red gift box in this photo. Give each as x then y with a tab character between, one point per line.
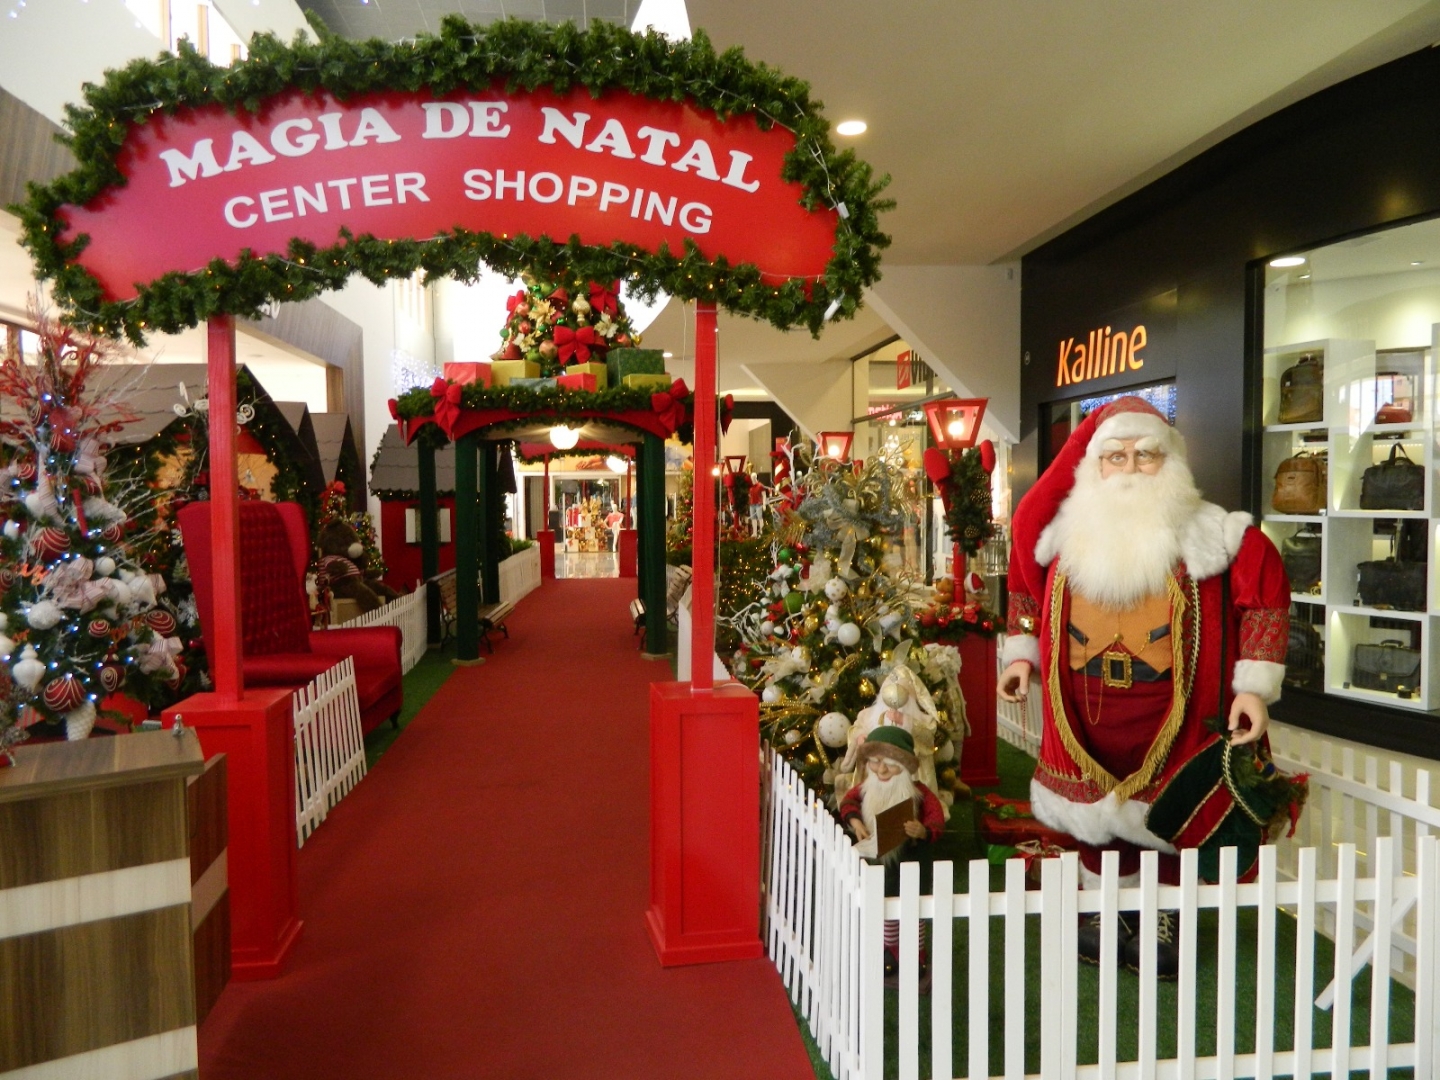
577	382
468	373
1009	822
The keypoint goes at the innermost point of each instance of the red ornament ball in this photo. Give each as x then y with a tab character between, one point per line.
112	533
112	677
162	622
63	694
180	672
50	543
99	628
25	470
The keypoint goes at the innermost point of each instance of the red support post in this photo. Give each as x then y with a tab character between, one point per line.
702	593
224	648
544	537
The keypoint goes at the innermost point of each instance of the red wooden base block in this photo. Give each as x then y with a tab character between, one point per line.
545	541
704	824
628	547
255	735
977	683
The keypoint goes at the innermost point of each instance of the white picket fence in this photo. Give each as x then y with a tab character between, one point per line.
407	613
329	745
520	574
826	911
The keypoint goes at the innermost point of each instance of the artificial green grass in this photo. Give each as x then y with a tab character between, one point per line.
421	682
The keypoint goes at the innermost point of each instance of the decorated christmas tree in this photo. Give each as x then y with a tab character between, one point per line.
78	616
678	537
832	641
556	322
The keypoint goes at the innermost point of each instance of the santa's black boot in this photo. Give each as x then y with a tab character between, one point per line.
1167	946
1088	937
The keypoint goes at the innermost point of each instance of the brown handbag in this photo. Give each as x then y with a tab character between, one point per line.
1302	391
1299	485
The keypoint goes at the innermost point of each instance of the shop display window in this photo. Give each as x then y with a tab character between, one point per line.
1348	457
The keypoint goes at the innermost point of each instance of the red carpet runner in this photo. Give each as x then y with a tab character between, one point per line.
475	907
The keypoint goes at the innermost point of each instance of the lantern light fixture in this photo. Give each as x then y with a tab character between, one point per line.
734	464
955	422
618	464
564	438
835	445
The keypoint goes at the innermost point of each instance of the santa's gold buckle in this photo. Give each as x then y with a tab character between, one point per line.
1115	669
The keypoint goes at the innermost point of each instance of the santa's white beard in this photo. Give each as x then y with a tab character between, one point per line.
877	796
1118	538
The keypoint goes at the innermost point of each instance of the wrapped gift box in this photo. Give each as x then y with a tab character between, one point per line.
648	382
1009	822
466	373
534	384
622	362
503	372
594	369
577	382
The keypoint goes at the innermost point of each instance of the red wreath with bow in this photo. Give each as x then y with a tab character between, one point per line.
447	404
670	404
576	344
605	298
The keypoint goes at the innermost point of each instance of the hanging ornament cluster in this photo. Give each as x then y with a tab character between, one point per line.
77	614
834	618
963	480
557	323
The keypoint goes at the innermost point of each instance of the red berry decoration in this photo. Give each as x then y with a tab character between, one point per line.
99	628
162	622
50	543
63	694
112	677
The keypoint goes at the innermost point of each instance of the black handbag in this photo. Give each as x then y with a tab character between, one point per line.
1395	484
1302	391
1301	553
1390	583
1390	666
1305	658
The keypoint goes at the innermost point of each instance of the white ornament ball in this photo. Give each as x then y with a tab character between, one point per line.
836	589
105	566
12	530
833	729
946	752
29	671
894	694
78	722
848	634
767	628
792	737
6	646
770	695
889	622
45	615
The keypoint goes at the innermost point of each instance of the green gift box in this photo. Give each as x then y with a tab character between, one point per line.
649	382
623	362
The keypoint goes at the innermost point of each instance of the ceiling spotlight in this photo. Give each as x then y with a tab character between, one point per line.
564	438
668	355
1417	262
1288	260
1304	277
850	127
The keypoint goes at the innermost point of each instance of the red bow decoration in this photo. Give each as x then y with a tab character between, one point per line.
447	404
559	298
575	343
394	410
727	412
670	404
511	302
605	298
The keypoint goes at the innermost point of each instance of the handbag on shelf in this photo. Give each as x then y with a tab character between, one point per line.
1305	656
1301	553
1397	483
1302	391
1300	485
1391	666
1393	414
1390	583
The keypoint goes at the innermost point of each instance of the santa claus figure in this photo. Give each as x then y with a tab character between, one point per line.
1137	612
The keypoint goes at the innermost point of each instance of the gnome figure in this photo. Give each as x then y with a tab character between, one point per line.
902	702
888	766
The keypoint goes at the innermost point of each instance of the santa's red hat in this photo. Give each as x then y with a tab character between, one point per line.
1123	418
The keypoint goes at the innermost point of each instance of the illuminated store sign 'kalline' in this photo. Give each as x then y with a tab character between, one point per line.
1103	353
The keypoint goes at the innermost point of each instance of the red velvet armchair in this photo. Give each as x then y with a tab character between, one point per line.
278	647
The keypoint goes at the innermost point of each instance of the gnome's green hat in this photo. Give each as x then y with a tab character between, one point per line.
895	743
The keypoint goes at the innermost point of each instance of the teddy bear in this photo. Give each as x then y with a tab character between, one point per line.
342	562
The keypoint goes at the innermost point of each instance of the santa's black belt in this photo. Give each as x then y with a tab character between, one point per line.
1122	669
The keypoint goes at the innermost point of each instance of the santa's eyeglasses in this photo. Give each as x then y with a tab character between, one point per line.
1119	458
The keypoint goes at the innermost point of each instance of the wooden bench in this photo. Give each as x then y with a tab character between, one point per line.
677	580
491	616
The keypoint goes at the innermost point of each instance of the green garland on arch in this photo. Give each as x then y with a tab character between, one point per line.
521	56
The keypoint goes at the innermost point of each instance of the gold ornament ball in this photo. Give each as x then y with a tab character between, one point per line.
863	589
837	663
866	688
812	623
822	605
887	655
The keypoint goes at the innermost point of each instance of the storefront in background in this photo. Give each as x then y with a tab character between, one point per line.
1278	296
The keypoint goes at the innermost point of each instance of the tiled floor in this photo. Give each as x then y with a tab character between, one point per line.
584	564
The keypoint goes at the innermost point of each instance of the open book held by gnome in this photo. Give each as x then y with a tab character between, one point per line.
890	827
